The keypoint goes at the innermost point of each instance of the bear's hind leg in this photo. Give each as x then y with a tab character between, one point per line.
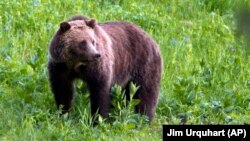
148	99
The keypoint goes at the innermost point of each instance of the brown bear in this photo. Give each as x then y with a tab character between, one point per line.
104	54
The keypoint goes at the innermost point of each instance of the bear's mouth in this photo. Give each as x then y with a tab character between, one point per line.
80	64
84	63
88	61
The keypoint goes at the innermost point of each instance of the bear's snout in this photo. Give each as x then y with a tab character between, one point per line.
97	55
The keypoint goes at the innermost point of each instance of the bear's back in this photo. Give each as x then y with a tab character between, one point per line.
129	36
134	50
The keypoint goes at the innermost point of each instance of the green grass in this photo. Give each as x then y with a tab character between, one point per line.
206	74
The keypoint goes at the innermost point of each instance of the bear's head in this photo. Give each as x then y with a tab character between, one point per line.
75	42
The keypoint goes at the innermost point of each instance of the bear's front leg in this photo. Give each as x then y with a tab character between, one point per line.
61	85
99	98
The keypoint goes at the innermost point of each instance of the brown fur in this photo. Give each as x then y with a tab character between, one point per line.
112	53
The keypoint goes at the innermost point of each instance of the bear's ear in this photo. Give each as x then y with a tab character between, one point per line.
91	23
64	26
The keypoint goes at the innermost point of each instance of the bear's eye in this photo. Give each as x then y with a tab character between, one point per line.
93	42
83	44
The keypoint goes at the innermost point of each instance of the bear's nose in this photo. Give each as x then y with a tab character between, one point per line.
97	55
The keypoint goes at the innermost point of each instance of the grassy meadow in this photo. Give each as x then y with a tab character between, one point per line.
206	76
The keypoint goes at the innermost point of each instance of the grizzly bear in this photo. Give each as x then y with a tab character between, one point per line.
104	54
